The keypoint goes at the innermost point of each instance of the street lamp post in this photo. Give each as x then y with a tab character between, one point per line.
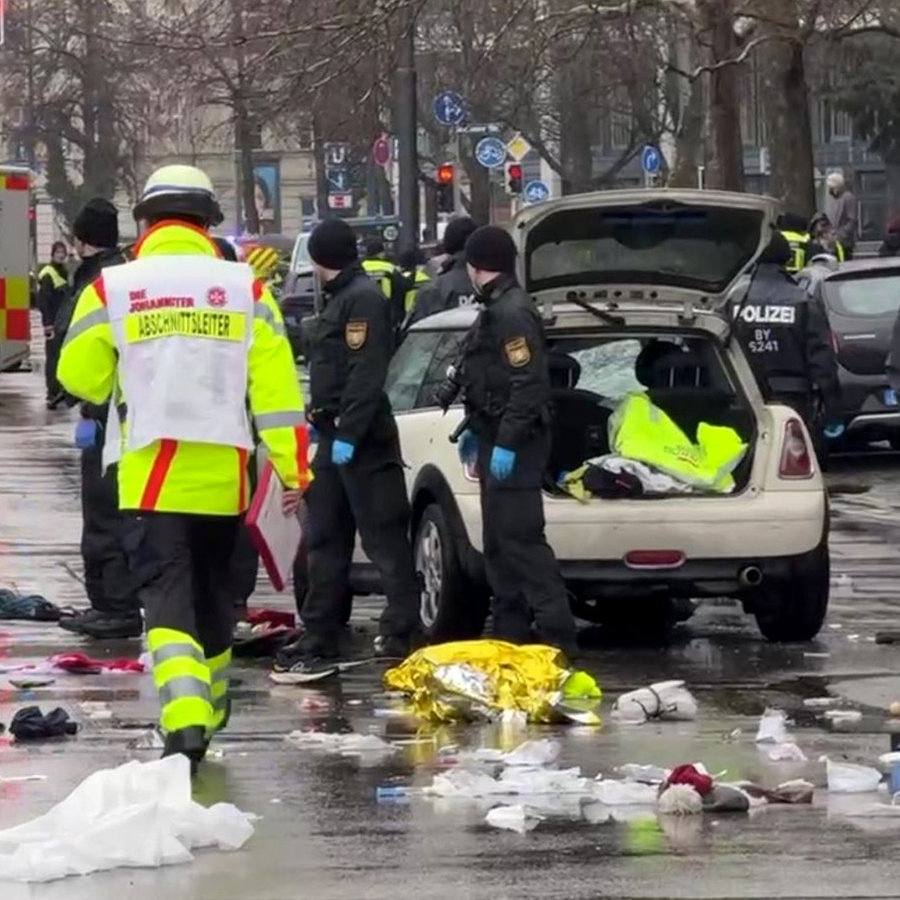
407	140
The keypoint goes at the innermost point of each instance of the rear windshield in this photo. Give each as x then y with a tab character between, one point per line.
867	295
660	242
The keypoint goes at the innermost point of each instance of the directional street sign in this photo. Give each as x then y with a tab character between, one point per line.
518	148
490	152
536	192
449	108
651	159
338	180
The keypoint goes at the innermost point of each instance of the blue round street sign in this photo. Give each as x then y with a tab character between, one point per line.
490	152
651	159
449	108
536	192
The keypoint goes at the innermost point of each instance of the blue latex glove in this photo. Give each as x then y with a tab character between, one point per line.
468	446
342	452
834	430
86	434
502	462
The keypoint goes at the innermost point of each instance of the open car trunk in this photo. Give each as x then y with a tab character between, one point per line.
683	373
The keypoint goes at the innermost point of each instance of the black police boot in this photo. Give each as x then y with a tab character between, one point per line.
191	742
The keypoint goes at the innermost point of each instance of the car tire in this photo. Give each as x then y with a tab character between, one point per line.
453	607
795	608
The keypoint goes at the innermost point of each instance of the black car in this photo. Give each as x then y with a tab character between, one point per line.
862	299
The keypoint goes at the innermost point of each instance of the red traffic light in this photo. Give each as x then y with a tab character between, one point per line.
514	171
445	174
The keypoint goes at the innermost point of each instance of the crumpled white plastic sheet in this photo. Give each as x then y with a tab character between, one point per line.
529	754
138	815
624	793
351	744
847	778
518	818
646	774
787	752
461	783
666	700
773	728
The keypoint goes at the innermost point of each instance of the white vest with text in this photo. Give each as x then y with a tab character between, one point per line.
183	327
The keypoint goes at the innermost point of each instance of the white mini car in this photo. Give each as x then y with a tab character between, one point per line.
613	273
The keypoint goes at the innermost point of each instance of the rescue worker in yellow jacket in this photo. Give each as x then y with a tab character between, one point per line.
394	285
183	341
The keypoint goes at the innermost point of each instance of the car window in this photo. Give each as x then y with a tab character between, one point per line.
870	295
445	355
300	258
408	368
608	370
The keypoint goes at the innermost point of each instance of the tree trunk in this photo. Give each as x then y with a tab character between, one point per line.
788	124
576	137
479	206
689	129
243	142
725	163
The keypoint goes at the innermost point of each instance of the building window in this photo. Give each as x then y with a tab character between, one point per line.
620	128
836	125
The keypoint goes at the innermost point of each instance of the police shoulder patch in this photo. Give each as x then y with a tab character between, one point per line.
518	353
355	334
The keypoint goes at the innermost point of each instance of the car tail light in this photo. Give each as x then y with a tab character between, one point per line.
654	559
796	458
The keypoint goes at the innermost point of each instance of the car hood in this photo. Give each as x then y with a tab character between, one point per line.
647	246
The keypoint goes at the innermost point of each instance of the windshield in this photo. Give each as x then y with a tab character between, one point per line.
301	260
869	295
660	242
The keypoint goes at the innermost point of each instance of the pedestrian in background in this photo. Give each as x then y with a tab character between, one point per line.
358	481
823	239
111	584
891	244
842	211
390	280
53	291
506	389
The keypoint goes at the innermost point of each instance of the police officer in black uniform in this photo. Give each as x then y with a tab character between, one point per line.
451	287
358	478
785	336
506	384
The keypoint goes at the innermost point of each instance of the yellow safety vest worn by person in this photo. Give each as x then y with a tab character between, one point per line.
641	431
381	272
56	280
181	449
417	278
799	242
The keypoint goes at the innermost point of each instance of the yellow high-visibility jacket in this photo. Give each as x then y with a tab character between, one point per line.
181	476
418	278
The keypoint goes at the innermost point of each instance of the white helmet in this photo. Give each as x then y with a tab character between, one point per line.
179	191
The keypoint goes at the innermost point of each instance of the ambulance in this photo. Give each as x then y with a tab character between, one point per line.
15	266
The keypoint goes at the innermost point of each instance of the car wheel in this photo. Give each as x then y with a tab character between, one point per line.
795	608
452	607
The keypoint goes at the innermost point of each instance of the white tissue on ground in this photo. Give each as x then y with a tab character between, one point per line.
668	700
516	818
351	744
787	752
773	728
624	793
138	815
462	783
530	754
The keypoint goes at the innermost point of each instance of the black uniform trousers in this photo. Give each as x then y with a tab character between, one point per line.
368	495
111	583
522	570
186	562
52	347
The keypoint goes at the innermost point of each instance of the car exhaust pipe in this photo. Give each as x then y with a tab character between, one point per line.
750	576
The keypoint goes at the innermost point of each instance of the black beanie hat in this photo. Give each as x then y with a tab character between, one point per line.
491	249
97	224
778	252
333	245
457	233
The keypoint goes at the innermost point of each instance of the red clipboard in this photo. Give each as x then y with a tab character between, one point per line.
276	536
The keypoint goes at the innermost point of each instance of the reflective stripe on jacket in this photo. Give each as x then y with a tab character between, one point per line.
418	278
798	241
186	476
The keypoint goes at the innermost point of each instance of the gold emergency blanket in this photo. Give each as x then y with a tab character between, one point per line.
485	678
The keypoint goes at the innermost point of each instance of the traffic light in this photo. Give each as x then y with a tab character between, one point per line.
513	178
444	180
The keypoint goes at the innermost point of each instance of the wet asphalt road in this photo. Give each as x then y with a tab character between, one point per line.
322	835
